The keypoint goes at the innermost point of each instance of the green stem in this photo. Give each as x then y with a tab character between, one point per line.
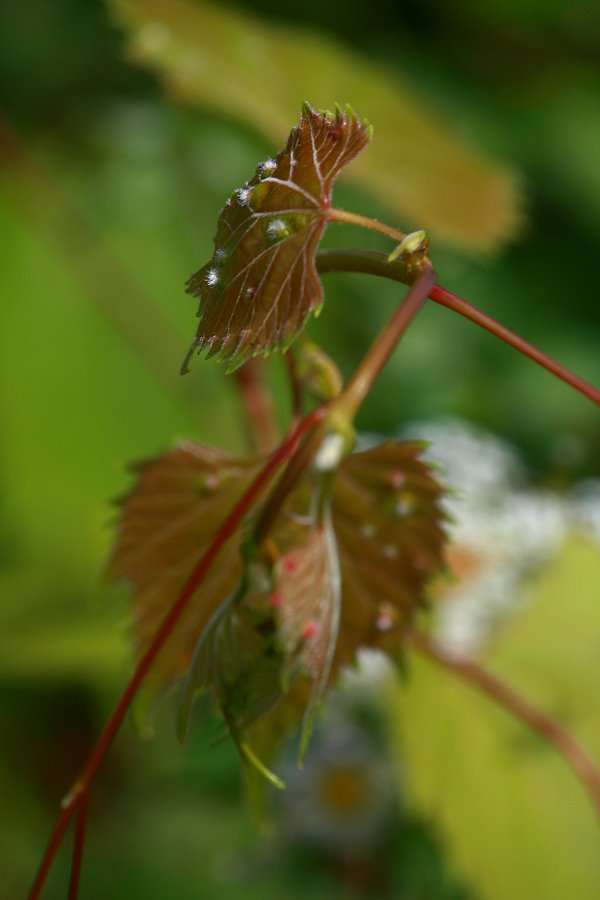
371	262
350	218
367	262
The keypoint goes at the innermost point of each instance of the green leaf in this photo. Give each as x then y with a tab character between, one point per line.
237	659
318	376
419	167
261	283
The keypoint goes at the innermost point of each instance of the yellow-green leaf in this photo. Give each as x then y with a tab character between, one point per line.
515	818
222	59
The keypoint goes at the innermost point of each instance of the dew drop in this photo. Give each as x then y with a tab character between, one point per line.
390	551
386	618
277	229
267	167
367	530
243	196
209	483
212	481
405	504
251	291
397	478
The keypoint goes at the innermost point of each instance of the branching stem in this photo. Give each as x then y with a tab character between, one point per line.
381	349
78	842
572	752
341	412
297	450
80	790
371	262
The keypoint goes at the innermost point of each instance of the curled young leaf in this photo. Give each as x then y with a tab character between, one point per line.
309	595
260	628
279	625
238	658
261	283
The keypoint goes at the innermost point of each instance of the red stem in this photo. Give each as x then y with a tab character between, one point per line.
81	787
51	850
572	752
451	301
78	843
295	389
262	428
363	378
372	262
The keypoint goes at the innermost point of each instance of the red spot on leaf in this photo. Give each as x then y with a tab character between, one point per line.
290	564
387	617
309	630
276	600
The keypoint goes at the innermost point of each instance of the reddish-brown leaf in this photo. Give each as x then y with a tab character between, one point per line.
389	530
307	592
166	523
385	528
261	283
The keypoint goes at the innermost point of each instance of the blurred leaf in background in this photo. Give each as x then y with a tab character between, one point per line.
215	57
516	819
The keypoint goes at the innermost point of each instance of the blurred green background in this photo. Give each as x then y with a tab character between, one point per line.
123	129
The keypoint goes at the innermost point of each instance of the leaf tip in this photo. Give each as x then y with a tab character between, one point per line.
185	365
253	759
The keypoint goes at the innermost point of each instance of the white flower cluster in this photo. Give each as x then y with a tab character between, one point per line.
501	528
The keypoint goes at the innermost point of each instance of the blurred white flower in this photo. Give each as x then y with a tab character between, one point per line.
501	529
